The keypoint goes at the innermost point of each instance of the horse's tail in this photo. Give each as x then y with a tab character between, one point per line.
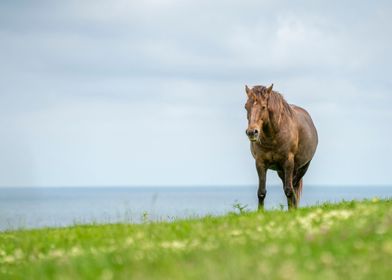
298	190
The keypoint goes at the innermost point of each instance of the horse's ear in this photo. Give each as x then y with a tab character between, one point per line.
247	90
269	89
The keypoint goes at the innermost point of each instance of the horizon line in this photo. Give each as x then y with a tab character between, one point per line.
194	186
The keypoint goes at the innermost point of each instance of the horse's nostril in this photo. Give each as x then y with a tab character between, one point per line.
256	132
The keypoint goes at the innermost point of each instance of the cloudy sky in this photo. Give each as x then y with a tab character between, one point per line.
152	92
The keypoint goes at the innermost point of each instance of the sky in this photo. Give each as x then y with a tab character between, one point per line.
151	93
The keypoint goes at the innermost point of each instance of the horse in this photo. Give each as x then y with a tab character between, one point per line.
282	138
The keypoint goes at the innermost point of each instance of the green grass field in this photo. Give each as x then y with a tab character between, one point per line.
349	240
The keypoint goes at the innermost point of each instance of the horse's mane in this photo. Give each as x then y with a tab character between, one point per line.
275	101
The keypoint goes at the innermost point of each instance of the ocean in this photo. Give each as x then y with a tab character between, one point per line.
25	208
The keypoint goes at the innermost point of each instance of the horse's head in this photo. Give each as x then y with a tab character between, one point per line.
256	107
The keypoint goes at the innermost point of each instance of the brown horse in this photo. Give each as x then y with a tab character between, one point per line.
283	138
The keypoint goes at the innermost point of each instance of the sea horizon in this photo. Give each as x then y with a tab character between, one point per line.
197	186
37	207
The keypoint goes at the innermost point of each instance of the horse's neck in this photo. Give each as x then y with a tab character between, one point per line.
274	124
268	135
278	121
268	139
268	130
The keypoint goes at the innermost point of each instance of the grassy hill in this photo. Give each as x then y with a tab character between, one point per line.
349	240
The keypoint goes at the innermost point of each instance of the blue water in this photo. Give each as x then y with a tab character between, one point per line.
49	207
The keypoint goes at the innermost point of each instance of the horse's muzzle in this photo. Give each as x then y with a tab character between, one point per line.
253	134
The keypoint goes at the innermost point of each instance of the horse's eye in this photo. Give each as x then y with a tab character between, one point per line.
263	107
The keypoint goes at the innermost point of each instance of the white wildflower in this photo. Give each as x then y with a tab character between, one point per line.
176	245
235	232
129	241
75	251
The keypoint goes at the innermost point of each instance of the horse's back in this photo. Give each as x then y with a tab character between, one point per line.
307	134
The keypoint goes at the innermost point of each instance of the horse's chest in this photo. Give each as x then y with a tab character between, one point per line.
271	159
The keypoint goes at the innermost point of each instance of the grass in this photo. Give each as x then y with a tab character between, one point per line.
349	240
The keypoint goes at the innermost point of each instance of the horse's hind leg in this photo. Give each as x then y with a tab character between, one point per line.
297	180
287	175
290	201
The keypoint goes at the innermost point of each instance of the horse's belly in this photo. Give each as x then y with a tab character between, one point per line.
274	166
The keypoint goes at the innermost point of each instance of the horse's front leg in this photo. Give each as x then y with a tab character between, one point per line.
261	192
288	169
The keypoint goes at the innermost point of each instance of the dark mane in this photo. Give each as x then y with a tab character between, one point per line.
276	101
